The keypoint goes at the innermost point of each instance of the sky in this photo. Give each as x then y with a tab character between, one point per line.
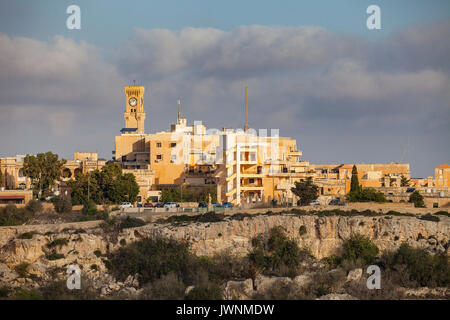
313	70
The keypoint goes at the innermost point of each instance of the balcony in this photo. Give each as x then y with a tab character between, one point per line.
251	186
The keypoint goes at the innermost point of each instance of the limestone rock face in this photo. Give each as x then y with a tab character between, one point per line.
239	290
302	280
263	283
354	275
324	236
6	274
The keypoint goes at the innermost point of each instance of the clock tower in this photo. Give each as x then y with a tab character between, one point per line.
134	114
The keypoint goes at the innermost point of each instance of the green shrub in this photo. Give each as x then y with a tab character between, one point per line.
94	267
129	222
360	247
4	292
57	290
34	206
21	269
442	213
365	195
107	264
396	213
54	256
417	199
169	287
63	205
60	242
224	266
26	235
13	216
206	217
302	230
151	259
422	267
332	262
240	216
278	254
25	294
89	208
97	253
123	242
429	217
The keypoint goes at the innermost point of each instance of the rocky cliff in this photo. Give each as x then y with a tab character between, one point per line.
86	243
322	235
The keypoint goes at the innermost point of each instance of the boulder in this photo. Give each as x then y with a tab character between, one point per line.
188	289
6	274
239	290
337	296
262	283
302	280
354	275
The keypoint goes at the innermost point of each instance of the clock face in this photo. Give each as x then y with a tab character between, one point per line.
132	102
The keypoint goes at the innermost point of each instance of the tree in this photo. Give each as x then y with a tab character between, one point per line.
85	186
43	170
124	188
405	182
306	190
354	186
62	204
417	199
107	185
366	194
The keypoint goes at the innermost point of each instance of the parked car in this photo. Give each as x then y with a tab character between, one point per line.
337	202
158	205
171	205
203	204
314	203
227	205
216	205
139	205
148	205
125	205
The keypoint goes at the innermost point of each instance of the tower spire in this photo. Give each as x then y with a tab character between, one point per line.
179	110
246	127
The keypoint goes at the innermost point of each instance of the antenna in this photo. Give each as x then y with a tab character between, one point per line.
403	151
409	151
179	109
246	127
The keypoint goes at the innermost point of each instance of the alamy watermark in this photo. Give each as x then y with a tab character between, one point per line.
74	280
374	280
374	20
74	20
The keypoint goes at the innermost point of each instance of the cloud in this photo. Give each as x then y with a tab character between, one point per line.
59	73
323	88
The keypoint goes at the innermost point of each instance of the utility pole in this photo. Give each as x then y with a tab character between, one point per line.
246	127
273	185
89	180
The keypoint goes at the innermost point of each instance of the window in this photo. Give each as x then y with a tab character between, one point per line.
173	144
251	180
159	157
158	144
